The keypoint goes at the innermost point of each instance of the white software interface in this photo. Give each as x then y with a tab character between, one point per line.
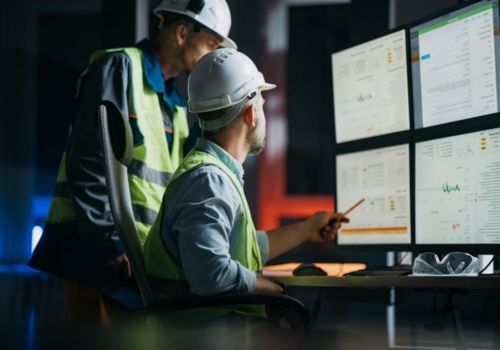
381	176
457	192
370	87
454	65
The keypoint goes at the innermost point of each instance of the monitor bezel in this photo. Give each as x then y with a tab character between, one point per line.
479	248
372	145
420	22
409	91
411	137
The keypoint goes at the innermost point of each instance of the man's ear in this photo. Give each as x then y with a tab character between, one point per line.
161	21
181	33
250	115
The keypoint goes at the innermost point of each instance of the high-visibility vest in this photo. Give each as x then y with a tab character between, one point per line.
159	264
153	163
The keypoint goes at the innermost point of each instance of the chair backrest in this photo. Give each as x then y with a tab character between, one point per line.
117	144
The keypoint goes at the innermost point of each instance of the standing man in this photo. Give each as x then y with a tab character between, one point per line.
80	242
204	236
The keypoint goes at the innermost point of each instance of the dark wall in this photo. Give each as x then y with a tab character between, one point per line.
63	54
407	11
18	77
315	32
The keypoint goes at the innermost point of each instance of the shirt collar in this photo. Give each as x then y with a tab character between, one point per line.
220	153
154	76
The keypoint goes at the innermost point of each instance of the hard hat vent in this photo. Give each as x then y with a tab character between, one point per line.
222	56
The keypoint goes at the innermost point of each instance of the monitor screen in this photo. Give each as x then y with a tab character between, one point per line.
454	64
370	88
382	177
457	189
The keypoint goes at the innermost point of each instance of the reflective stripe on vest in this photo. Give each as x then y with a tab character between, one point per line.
152	164
158	262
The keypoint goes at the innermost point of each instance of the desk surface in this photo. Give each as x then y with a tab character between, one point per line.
481	282
334	279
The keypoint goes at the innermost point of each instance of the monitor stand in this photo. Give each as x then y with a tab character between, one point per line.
485	260
398	258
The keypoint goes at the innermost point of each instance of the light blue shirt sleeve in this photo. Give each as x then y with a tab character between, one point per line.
198	232
263	242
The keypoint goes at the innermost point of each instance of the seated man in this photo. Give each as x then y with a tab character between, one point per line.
204	234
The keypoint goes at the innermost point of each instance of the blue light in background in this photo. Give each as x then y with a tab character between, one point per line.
41	206
36	234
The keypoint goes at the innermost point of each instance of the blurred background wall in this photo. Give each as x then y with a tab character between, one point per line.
45	44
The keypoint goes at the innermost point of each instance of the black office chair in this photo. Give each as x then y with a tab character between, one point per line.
117	152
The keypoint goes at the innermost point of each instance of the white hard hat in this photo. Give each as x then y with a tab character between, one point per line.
221	79
213	14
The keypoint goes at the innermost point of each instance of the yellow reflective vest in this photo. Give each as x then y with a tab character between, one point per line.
152	163
158	262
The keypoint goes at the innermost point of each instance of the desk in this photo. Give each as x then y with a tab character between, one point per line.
376	288
336	279
480	282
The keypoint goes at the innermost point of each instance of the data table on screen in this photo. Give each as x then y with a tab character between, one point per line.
382	177
454	65
370	84
457	189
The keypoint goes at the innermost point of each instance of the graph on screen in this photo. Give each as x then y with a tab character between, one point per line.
457	189
454	68
370	88
382	177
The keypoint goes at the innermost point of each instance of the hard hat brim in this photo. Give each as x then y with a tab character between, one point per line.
228	43
267	86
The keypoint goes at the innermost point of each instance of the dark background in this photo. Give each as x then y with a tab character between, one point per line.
44	46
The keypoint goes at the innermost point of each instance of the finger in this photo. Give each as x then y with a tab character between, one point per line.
129	270
339	217
328	232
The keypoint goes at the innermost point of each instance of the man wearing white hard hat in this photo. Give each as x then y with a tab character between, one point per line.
80	242
204	237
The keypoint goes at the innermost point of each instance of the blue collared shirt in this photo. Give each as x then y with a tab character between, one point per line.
201	224
166	89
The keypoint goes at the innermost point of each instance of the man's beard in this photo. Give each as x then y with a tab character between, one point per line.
257	141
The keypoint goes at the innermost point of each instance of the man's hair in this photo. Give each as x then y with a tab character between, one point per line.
212	115
172	18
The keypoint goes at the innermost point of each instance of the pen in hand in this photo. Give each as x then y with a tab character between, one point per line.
332	222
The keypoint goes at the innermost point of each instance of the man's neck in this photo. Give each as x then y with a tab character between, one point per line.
236	147
168	64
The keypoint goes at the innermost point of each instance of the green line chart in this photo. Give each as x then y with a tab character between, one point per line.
447	188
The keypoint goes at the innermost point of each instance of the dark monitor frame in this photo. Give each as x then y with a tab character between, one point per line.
468	121
348	144
396	140
435	134
375	142
474	124
411	137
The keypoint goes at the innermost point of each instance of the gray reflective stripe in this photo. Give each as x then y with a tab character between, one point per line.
141	170
62	190
145	215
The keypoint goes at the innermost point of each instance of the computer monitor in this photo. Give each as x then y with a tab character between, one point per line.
370	88
455	65
457	191
382	177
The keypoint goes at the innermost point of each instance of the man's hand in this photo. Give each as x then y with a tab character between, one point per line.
121	266
264	285
323	226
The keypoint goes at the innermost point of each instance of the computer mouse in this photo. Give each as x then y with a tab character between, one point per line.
309	269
